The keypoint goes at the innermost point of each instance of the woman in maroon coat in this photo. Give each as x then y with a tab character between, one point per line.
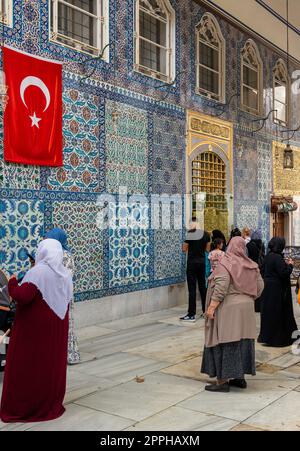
35	372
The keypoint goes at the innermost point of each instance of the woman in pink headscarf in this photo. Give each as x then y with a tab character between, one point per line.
230	331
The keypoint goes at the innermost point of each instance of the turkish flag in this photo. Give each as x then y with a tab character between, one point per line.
33	115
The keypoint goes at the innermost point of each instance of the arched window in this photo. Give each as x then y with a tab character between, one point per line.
210	59
280	93
81	25
155	39
251	79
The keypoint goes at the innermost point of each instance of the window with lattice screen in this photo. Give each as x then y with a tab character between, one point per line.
209	176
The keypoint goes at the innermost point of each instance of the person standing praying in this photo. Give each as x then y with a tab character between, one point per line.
68	261
35	373
230	328
195	246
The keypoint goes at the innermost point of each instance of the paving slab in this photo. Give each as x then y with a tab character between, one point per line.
121	367
267	368
286	360
173	349
245	428
126	339
87	333
4	427
265	354
199	324
80	384
189	369
77	418
281	415
291	372
180	419
140	401
238	405
85	357
138	321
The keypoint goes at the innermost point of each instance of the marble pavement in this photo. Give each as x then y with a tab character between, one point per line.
104	392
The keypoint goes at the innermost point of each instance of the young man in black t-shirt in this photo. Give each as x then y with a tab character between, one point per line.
195	246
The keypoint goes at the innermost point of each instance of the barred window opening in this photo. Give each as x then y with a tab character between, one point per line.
209	176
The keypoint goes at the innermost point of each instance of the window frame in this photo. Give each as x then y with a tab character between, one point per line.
6	17
102	33
286	84
221	60
170	42
214	188
259	71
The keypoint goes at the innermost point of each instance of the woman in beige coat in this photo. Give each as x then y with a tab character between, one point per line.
230	328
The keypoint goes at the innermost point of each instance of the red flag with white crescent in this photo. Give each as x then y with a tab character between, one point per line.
33	115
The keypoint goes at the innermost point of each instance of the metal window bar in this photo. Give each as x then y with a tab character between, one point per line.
209	176
153	43
147	11
203	91
250	66
209	44
216	94
85	47
152	72
81	10
245	106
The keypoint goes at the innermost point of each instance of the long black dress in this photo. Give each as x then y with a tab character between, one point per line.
256	252
277	316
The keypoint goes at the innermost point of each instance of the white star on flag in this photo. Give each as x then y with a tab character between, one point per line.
35	120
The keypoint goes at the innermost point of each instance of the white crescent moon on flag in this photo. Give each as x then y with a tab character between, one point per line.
35	81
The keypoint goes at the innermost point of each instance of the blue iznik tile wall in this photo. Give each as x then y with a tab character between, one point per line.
144	150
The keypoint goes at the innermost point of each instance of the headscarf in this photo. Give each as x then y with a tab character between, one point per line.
277	245
243	271
52	279
59	235
256	235
218	234
235	232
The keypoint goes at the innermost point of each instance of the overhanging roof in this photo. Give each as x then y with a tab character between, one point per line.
266	19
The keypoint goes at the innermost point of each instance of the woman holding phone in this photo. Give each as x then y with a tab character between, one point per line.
35	373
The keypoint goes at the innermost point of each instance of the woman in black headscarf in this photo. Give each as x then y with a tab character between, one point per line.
256	252
256	248
217	234
235	232
277	316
